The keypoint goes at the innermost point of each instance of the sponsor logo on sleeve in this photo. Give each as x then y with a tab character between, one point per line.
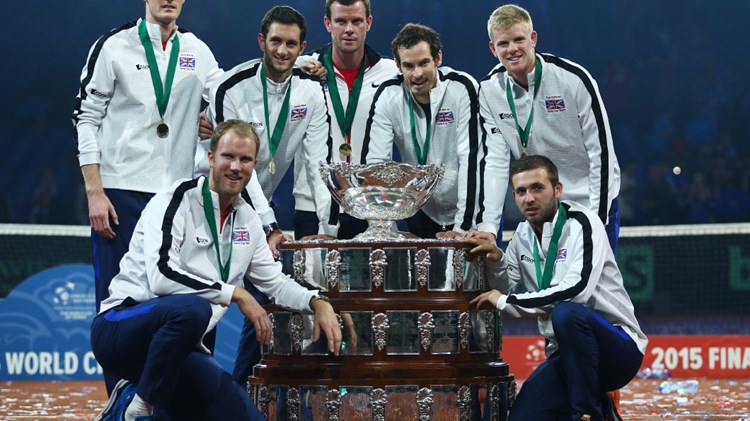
96	93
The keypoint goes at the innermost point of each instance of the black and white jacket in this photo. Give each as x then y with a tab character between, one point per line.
455	141
585	272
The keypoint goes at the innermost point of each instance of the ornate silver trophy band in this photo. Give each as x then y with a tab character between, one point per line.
335	404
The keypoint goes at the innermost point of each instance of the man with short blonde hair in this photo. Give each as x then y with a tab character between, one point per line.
193	249
533	103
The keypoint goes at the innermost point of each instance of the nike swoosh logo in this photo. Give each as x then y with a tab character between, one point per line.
375	86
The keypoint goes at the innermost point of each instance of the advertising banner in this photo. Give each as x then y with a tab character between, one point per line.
716	356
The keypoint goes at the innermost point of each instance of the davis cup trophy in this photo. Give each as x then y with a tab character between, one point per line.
412	349
381	193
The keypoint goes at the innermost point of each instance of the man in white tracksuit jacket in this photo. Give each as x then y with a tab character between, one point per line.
136	138
431	114
193	248
541	104
559	267
259	91
352	70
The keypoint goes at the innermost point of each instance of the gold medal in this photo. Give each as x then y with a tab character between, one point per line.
523	153
345	149
162	130
272	167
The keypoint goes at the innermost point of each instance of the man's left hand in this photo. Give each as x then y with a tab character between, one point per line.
326	320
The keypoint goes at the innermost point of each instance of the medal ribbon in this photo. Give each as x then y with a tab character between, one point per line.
524	133
208	210
421	153
544	279
274	137
344	118
162	91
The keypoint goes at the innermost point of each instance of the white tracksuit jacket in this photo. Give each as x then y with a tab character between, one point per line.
378	71
172	252
585	272
456	140
239	95
116	114
570	127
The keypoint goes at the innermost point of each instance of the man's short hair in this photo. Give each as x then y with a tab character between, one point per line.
347	3
506	16
241	127
414	33
532	162
284	15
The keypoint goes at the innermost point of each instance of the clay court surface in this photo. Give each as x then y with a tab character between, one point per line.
724	399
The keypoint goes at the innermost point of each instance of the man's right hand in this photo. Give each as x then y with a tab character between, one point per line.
205	129
100	210
255	313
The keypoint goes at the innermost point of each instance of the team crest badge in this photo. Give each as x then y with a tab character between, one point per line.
187	62
241	236
554	104
444	117
299	112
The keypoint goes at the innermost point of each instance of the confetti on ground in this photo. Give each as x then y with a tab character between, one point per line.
716	399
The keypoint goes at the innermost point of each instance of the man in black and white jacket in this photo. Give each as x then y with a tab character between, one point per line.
560	267
193	249
432	114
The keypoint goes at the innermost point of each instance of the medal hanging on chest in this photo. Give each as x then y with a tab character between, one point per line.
162	130
344	117
524	133
345	149
161	91
274	137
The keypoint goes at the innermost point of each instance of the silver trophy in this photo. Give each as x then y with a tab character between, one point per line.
381	193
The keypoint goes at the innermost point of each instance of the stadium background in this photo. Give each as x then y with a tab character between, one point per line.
673	75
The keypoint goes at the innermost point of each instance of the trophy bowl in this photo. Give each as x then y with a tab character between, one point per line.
381	193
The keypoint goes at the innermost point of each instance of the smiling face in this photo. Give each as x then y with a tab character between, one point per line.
514	47
348	26
536	197
419	69
232	165
281	46
163	12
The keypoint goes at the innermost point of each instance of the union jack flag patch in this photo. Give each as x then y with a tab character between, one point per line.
241	236
187	62
562	254
554	104
299	112
444	117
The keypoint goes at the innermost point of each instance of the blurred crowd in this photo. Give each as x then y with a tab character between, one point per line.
678	102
